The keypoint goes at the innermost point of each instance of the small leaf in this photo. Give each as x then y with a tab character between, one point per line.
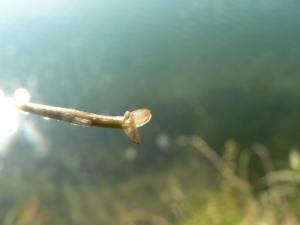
133	134
141	117
130	128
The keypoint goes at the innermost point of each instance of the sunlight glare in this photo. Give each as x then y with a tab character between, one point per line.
21	95
8	117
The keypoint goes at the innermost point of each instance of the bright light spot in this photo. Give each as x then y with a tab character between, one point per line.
131	153
163	141
8	117
21	95
9	122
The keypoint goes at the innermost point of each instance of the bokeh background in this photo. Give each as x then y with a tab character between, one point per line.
227	71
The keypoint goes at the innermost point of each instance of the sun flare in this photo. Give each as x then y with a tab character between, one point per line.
8	117
9	114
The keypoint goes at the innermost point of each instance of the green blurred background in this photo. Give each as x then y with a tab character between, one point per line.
217	69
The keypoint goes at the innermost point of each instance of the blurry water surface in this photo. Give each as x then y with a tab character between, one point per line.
218	69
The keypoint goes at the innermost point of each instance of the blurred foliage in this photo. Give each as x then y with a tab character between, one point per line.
46	193
189	192
275	203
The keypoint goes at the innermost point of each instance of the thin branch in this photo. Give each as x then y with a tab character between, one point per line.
129	122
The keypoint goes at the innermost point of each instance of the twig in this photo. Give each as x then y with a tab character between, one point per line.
129	122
